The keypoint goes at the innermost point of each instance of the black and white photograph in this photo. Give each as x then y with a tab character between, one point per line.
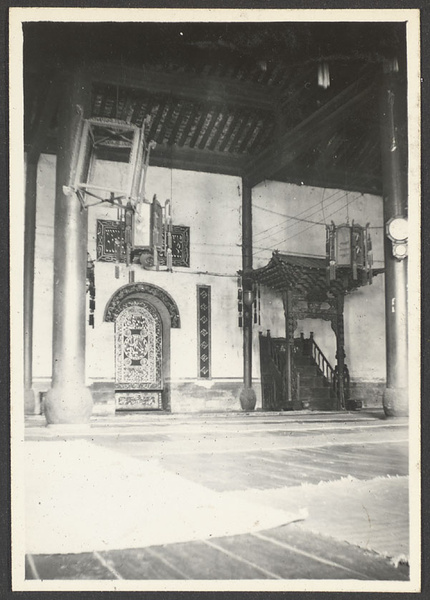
215	299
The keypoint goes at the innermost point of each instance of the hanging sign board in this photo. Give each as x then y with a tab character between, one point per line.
343	246
156	224
142	225
358	245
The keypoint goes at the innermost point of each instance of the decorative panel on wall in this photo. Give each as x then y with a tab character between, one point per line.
204	330
110	231
180	247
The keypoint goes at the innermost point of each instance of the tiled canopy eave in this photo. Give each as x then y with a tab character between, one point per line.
306	276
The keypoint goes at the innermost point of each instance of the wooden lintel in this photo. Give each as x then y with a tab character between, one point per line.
195	160
292	143
361	181
217	90
176	157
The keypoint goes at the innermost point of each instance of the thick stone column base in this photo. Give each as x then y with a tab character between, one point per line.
248	399
395	402
29	401
68	405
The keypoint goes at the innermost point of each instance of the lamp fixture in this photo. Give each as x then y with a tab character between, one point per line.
397	231
94	137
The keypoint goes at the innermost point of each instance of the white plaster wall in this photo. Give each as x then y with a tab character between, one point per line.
226	340
364	319
211	206
291	219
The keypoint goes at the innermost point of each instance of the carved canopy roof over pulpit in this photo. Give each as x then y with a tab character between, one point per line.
314	292
308	277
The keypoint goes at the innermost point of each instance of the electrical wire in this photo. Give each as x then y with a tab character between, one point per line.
296	216
313	224
297	219
322	206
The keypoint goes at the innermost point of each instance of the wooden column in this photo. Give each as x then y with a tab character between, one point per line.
247	394
29	244
340	350
288	350
69	401
394	172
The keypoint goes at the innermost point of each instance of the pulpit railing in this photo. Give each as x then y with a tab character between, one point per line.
321	361
346	386
295	383
274	374
278	354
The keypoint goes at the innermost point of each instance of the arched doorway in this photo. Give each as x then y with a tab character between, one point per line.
143	315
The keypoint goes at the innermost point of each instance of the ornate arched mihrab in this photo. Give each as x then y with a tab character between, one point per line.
126	292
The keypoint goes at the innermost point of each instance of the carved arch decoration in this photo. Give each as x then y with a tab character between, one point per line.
327	310
128	291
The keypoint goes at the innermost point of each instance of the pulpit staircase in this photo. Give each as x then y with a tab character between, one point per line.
316	375
314	382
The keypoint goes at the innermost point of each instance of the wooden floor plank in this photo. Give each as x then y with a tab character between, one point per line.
285	563
372	565
140	564
70	566
201	561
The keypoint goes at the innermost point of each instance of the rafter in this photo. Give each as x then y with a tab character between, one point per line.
187	86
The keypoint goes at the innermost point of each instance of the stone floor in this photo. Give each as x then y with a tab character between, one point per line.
294	496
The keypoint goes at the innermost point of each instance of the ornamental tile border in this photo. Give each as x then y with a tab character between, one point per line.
115	304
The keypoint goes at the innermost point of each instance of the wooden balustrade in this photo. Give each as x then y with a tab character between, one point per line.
321	361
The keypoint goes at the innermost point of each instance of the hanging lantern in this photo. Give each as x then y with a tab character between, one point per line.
168	234
256	304
240	301
96	136
349	246
91	289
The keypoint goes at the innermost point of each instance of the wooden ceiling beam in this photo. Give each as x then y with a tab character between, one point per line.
296	141
187	86
175	157
191	159
359	181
